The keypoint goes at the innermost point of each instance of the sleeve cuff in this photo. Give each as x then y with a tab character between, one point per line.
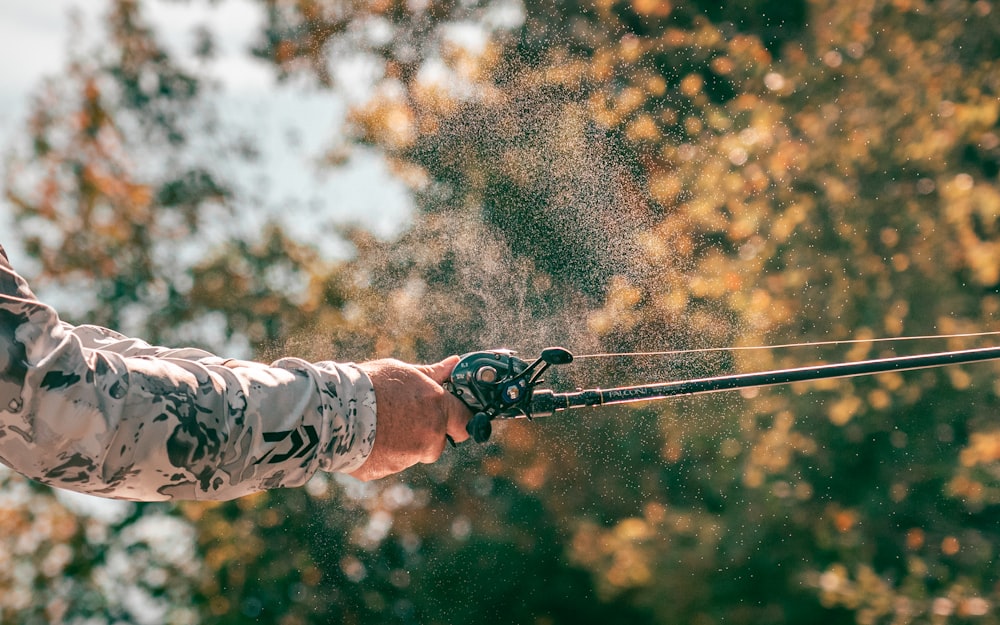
360	416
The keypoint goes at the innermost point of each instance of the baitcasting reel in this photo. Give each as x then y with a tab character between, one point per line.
496	384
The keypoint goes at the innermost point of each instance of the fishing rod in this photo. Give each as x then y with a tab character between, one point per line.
495	384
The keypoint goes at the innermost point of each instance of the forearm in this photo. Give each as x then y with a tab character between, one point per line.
86	409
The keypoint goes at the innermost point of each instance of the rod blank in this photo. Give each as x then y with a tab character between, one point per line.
546	402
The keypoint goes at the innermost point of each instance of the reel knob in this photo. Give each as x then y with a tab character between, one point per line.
480	427
556	356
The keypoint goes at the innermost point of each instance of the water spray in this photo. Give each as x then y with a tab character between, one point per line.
495	384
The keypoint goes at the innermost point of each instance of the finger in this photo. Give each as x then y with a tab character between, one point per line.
458	418
440	372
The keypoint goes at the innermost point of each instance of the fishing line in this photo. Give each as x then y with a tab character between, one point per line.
679	352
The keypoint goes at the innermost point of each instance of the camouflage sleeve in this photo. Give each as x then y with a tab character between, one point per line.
87	409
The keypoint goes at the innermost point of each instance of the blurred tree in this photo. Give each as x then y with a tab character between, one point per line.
610	175
699	181
117	198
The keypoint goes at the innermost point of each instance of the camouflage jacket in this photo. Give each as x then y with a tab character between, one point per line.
87	409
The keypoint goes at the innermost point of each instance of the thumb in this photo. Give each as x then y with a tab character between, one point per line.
439	371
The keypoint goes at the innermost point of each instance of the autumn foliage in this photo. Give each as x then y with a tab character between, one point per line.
610	176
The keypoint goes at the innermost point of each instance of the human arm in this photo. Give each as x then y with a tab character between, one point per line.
88	409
